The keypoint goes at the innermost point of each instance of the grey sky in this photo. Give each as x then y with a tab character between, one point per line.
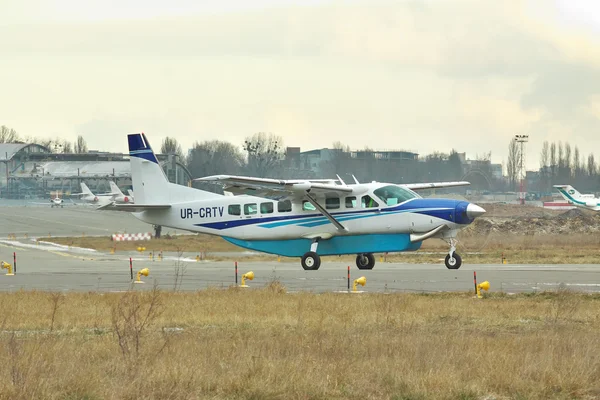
418	75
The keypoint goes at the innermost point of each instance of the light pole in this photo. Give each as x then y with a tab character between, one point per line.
522	139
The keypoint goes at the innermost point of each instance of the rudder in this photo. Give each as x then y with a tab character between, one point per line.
148	179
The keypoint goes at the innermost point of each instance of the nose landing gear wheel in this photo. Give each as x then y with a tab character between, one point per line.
365	261
453	262
311	261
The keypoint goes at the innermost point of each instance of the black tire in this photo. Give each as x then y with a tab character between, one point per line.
311	261
365	261
455	263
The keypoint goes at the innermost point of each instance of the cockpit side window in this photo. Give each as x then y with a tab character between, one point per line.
393	194
368	202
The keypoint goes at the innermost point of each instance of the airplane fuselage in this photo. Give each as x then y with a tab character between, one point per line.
261	226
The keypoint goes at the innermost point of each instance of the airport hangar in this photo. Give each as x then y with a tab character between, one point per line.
30	170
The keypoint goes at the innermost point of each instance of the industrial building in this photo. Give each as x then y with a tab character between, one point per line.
29	170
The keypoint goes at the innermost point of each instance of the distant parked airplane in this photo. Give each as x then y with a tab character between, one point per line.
588	201
89	197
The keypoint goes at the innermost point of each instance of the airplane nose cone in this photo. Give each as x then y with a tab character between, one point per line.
474	211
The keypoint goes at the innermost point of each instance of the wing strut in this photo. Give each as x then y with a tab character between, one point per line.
320	208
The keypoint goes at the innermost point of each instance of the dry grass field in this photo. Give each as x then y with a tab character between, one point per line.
477	249
266	344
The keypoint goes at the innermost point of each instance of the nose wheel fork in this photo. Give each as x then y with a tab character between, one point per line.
453	259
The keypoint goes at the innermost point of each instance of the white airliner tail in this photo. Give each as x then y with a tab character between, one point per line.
573	196
150	184
114	189
85	190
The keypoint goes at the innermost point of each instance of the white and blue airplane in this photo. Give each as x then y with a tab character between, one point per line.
299	218
587	201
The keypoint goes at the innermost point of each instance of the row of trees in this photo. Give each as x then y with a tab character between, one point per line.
56	145
562	164
263	155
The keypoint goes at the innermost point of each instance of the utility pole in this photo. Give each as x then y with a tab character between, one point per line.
521	140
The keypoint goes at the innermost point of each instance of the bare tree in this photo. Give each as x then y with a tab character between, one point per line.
8	135
80	145
567	162
544	160
264	153
561	160
576	165
171	146
67	147
214	157
553	160
512	164
339	160
544	155
591	166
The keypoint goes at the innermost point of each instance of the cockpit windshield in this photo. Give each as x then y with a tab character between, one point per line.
393	194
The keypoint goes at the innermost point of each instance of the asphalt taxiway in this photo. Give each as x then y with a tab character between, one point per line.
51	267
43	221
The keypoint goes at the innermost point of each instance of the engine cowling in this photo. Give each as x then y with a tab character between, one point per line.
95	199
126	199
590	203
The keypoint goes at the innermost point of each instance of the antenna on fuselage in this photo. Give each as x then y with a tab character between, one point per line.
355	180
341	180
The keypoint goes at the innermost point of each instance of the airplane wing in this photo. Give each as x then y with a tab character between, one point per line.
133	207
277	189
435	185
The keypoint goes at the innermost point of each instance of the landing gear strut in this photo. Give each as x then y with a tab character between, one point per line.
311	260
365	261
453	259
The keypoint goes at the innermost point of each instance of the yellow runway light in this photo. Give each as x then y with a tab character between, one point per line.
247	275
483	285
144	272
362	281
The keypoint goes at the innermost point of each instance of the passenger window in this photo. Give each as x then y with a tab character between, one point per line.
250	209
350	202
306	206
284	206
332	203
266	208
234	209
368	202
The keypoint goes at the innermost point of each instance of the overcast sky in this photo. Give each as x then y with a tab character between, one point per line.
415	75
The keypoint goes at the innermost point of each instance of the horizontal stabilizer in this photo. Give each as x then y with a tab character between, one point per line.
133	207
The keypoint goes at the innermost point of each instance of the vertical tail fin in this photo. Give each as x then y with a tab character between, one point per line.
114	189
568	192
150	184
86	190
148	179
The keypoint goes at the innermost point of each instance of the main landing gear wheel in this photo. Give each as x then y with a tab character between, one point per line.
365	261
311	261
453	262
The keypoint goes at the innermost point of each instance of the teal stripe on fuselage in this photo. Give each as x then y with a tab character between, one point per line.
337	245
